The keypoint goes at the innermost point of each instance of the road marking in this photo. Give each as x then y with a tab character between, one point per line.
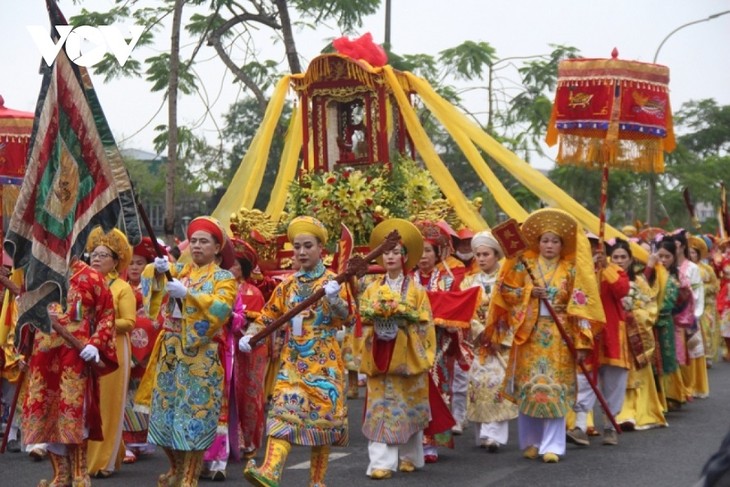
305	465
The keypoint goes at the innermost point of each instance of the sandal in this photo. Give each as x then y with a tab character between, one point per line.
129	457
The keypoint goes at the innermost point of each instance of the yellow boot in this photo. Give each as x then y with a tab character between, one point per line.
319	460
269	473
79	473
61	472
191	466
172	477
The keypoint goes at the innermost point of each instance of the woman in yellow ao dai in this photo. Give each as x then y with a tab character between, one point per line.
541	372
396	350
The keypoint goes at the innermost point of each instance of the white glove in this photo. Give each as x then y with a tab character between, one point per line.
162	265
244	345
332	291
89	353
176	289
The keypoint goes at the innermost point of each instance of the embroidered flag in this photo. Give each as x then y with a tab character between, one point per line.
75	180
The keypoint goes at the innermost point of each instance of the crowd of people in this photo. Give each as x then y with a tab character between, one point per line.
188	356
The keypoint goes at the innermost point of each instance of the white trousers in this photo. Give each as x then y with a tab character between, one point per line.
385	457
611	383
548	435
459	387
496	430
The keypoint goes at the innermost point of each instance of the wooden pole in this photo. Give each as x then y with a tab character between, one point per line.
574	352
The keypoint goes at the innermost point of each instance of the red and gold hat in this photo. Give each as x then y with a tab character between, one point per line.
244	250
213	226
146	249
114	240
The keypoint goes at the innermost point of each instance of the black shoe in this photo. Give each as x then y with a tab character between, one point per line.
13	446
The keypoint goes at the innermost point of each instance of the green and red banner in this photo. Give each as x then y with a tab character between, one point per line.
75	180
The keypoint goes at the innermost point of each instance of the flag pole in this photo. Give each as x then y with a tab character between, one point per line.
158	250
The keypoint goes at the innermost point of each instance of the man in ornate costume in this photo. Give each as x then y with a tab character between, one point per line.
396	351
188	375
62	402
308	405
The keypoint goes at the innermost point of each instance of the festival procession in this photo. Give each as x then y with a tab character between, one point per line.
364	284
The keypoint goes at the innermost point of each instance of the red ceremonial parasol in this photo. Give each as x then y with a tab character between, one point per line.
612	113
15	130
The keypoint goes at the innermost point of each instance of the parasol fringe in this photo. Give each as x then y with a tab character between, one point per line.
641	155
10	195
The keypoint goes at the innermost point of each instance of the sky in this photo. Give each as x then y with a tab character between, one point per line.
697	55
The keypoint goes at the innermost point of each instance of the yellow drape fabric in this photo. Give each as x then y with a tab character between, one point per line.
246	182
527	175
287	166
445	113
464	209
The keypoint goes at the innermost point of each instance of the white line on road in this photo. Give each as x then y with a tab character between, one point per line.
305	465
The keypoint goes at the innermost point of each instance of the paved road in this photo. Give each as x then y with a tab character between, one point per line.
664	457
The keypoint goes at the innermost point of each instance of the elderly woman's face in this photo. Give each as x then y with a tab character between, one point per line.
102	259
428	259
550	245
487	258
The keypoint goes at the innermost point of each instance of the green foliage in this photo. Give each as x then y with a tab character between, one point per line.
158	73
346	14
470	59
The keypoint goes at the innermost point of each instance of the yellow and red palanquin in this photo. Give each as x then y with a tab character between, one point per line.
9	353
249	372
108	454
62	397
187	391
308	405
541	372
398	387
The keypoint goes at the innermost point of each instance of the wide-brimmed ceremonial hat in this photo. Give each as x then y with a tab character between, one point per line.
410	238
554	221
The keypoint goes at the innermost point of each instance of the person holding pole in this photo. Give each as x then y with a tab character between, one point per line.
548	298
187	392
308	405
62	402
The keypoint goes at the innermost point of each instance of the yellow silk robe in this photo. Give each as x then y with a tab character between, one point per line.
397	398
308	404
186	371
541	372
108	454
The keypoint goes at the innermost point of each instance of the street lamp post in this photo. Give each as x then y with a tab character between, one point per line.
651	193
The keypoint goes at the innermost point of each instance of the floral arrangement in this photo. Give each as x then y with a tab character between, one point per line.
361	198
387	304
